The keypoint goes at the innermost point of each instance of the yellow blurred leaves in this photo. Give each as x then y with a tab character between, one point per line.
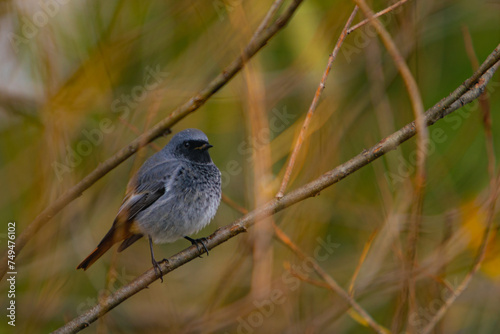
473	224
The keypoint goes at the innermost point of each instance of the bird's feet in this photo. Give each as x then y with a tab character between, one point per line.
156	266
157	269
197	243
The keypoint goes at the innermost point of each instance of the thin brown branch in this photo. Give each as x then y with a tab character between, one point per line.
477	261
422	140
267	19
465	93
305	278
261	235
382	12
410	83
362	259
135	130
329	280
234	205
159	129
485	108
492	198
314	104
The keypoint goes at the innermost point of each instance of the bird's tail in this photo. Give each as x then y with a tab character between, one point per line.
94	256
112	237
102	248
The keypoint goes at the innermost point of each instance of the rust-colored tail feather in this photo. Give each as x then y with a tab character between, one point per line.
117	233
103	247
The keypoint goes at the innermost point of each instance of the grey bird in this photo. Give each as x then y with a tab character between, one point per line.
174	194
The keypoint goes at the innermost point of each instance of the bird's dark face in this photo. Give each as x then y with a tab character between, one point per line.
194	150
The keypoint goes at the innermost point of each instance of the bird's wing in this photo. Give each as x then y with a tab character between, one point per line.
149	185
137	202
151	182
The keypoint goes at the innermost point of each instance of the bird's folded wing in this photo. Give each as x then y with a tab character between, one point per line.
150	185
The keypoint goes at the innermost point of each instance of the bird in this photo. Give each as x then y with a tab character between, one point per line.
174	194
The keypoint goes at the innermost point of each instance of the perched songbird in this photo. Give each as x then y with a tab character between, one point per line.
174	194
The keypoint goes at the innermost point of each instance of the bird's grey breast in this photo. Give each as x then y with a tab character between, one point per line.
191	198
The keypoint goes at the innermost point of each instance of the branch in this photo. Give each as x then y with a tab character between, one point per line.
314	104
481	253
331	283
492	198
465	93
382	12
195	102
422	140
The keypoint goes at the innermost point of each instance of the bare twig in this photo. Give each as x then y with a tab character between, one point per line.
477	261
422	140
492	199
465	93
135	130
255	96
329	280
267	19
362	259
476	265
160	128
382	12
314	104
261	235
485	108
305	278
234	205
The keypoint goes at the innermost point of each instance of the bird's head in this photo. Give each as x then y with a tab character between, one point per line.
190	144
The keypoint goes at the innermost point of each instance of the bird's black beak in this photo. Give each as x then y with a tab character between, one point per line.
204	147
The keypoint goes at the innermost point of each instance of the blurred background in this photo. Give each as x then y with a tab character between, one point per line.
82	79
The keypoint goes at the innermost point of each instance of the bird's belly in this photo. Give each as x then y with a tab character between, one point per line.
169	220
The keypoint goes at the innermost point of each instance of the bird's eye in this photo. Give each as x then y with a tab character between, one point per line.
186	144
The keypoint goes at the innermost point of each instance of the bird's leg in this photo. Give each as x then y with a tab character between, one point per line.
197	243
156	266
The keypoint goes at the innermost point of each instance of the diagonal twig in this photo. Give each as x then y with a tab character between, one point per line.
475	267
485	108
314	104
159	129
329	280
267	19
304	277
362	259
422	140
346	31
492	198
471	89
378	14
